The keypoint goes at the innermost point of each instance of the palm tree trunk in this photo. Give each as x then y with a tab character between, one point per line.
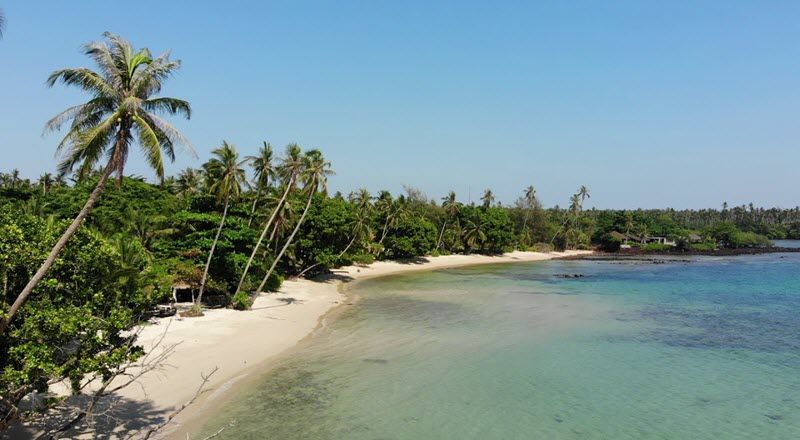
263	234
211	253
253	209
288	241
441	234
62	242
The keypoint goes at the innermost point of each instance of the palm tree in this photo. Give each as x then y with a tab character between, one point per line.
122	109
530	203
362	200
289	170
451	208
225	177
188	182
392	211
263	170
46	182
488	198
14	178
474	236
315	174
583	192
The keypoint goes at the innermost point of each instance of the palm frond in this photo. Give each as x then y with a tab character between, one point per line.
84	78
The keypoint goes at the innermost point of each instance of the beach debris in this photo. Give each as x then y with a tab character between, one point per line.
570	275
375	361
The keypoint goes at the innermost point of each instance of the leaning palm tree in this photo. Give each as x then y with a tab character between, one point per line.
390	209
263	170
289	170
122	110
451	208
225	177
315	177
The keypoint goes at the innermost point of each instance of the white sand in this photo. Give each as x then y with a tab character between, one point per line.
241	343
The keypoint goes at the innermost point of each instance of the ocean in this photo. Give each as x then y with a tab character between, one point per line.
696	347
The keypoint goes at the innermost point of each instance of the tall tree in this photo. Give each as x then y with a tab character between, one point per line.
583	193
46	182
188	182
530	204
451	207
288	170
122	110
487	198
263	170
315	174
225	179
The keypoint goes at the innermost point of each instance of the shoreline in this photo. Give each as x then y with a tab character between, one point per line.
246	344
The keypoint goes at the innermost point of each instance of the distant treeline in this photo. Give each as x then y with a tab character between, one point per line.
171	226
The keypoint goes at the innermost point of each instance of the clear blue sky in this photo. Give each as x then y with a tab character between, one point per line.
649	104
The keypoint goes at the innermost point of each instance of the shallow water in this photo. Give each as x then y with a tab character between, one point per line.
706	349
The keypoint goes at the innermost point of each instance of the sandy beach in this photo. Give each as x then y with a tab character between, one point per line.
239	344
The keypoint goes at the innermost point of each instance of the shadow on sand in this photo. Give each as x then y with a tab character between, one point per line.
114	417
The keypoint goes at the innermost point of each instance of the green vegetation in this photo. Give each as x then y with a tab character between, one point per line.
81	264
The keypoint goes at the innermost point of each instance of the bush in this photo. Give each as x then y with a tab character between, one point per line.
610	243
274	282
706	246
749	239
657	247
363	259
241	301
192	312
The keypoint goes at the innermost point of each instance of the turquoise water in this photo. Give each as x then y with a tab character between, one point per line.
703	349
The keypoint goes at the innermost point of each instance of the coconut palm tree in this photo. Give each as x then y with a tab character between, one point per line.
123	109
451	208
487	198
530	203
225	179
362	200
263	170
315	174
188	183
474	236
392	211
288	170
583	192
46	182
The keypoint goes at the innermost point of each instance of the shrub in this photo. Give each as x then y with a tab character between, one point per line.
241	301
274	282
363	259
706	246
192	312
656	247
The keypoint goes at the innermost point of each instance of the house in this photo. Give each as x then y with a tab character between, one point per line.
630	238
